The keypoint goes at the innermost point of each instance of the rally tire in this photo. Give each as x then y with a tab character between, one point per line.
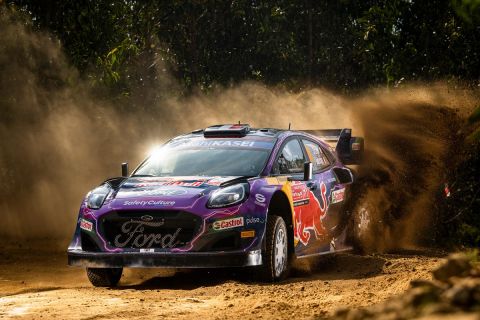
352	237
275	256
355	236
104	277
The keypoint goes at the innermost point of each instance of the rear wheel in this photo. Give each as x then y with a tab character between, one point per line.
359	229
104	277
275	257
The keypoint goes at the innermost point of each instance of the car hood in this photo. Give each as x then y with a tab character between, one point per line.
165	192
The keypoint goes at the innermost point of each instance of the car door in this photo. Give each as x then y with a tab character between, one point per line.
328	188
308	204
322	185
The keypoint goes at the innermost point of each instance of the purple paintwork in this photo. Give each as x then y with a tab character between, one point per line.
138	200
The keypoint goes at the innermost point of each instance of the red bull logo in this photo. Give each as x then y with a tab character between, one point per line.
308	212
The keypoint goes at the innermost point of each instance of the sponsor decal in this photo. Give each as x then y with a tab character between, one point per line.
253	220
183	183
165	192
147	250
86	225
148	203
156	179
247	234
170	183
227	143
301	202
300	194
356	146
298	191
221	143
216	181
133	235
338	195
228	223
260	200
143	183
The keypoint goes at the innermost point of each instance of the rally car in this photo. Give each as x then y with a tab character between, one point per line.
224	196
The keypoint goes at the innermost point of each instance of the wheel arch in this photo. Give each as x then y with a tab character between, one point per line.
280	206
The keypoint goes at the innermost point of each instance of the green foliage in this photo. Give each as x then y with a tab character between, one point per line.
473	255
474	136
468	10
473	119
475	116
111	65
344	45
470	234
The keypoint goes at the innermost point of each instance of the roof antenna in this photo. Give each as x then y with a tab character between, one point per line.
289	124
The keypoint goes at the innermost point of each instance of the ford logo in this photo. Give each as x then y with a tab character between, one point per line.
146	218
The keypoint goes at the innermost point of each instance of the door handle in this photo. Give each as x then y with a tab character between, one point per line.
312	185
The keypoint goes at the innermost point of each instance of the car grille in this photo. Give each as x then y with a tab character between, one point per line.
164	229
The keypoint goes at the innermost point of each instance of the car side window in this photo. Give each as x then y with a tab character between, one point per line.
291	159
315	152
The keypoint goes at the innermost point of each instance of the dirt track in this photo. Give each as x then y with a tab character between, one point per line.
37	283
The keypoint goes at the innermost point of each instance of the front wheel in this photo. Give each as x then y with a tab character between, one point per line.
275	256
104	277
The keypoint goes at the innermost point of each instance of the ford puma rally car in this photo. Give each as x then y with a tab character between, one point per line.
225	196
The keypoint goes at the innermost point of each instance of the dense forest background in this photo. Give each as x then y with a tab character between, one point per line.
343	45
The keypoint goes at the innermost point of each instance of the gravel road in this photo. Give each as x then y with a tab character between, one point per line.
35	282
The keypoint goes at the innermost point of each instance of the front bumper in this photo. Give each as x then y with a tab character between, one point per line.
164	259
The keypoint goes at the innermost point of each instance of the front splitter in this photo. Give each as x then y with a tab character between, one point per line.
164	259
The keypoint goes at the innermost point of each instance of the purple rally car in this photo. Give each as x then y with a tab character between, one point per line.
225	196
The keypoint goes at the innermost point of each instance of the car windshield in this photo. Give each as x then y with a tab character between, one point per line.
205	157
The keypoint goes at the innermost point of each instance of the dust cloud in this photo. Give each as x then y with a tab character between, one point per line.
59	138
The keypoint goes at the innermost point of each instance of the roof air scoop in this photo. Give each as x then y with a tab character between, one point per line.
226	131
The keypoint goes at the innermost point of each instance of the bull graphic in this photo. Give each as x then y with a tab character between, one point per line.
309	212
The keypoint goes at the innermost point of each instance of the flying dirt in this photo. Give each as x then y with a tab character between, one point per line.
59	140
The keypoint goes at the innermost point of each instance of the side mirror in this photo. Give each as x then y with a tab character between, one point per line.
125	169
344	175
307	171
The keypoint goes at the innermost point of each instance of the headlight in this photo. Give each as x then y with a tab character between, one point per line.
97	196
228	196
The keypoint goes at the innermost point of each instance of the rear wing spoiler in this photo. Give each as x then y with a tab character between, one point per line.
349	149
